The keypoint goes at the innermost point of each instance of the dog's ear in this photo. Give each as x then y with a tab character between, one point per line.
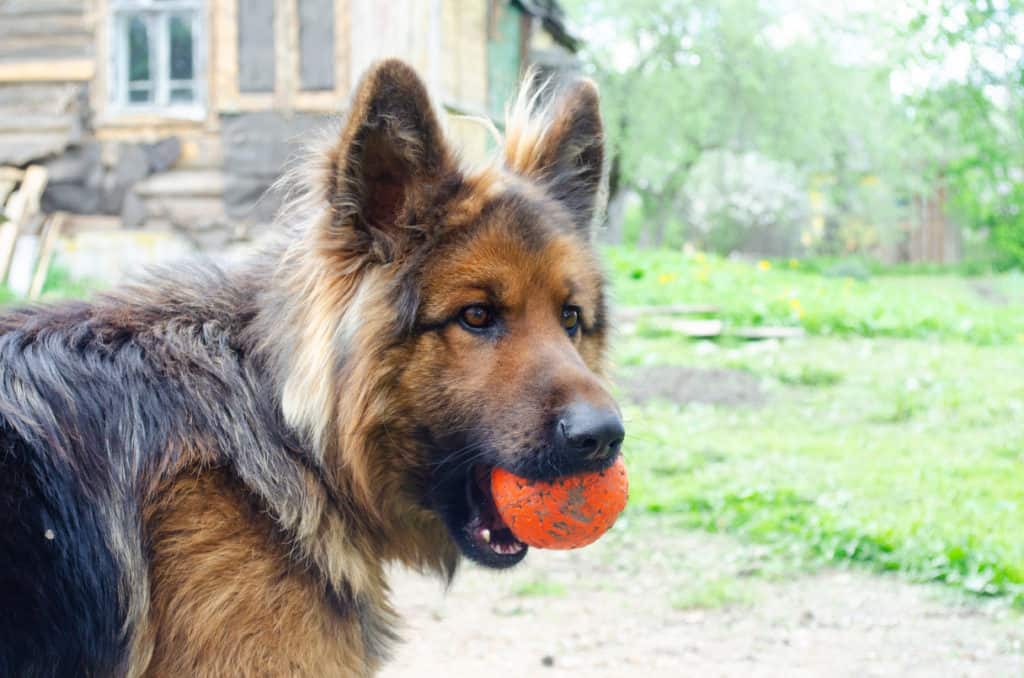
562	148
390	152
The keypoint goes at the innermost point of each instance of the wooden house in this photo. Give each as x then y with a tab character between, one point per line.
179	114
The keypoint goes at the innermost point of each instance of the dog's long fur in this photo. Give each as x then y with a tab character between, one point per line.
204	473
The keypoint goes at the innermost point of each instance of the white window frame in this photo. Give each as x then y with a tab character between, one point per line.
157	15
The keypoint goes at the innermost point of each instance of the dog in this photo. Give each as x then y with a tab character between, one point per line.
206	471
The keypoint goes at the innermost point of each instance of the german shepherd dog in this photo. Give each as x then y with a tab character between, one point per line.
205	473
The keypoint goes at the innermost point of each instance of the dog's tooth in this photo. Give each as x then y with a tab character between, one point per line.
485	534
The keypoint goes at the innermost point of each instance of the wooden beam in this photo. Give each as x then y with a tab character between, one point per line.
51	70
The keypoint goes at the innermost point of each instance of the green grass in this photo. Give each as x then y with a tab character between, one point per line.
892	437
911	459
780	293
59	284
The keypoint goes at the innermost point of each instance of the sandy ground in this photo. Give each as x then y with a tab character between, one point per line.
648	600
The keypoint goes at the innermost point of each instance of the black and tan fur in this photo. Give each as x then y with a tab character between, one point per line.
205	473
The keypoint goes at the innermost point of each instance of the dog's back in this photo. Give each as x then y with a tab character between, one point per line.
89	408
58	578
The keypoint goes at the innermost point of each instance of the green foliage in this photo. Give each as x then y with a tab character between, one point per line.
779	293
871	113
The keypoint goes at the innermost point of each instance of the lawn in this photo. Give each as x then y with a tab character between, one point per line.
978	310
878	442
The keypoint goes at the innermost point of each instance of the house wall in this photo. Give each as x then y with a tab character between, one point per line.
204	172
45	66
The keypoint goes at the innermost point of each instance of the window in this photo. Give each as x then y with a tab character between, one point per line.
156	62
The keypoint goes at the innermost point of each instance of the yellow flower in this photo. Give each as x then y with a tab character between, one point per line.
666	278
700	257
1020	337
796	307
764	265
703	275
793	263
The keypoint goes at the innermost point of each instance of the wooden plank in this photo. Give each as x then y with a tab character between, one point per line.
8	240
769	332
25	200
634	312
696	329
31	7
22	205
48	70
51	232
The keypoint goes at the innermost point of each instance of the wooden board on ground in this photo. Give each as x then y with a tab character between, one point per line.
634	312
769	332
695	329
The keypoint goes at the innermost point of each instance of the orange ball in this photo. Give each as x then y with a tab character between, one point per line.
566	513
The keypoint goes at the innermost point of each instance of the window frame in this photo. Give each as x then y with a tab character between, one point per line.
157	15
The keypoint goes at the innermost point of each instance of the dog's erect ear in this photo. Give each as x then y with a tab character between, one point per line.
390	152
563	148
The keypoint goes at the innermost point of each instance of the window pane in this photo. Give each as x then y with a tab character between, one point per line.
181	48
139	96
182	95
138	50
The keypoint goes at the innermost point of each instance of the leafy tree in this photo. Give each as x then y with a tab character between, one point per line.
683	79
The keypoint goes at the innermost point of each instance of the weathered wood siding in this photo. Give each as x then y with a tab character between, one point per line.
44	30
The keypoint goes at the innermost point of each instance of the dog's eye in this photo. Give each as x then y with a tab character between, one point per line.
477	317
571	319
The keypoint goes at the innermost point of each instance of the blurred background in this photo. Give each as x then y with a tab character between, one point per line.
815	240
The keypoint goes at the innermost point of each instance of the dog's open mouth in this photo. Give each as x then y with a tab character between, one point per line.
485	530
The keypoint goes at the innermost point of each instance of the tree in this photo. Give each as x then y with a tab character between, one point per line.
685	78
979	116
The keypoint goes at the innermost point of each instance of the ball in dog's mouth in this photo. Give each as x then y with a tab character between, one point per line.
485	528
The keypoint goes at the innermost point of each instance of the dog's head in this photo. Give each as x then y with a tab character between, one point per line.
464	311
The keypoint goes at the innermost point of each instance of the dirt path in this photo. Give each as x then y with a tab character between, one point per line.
654	601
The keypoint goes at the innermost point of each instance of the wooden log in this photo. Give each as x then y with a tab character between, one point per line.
51	70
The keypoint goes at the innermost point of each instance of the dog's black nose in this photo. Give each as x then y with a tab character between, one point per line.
594	433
